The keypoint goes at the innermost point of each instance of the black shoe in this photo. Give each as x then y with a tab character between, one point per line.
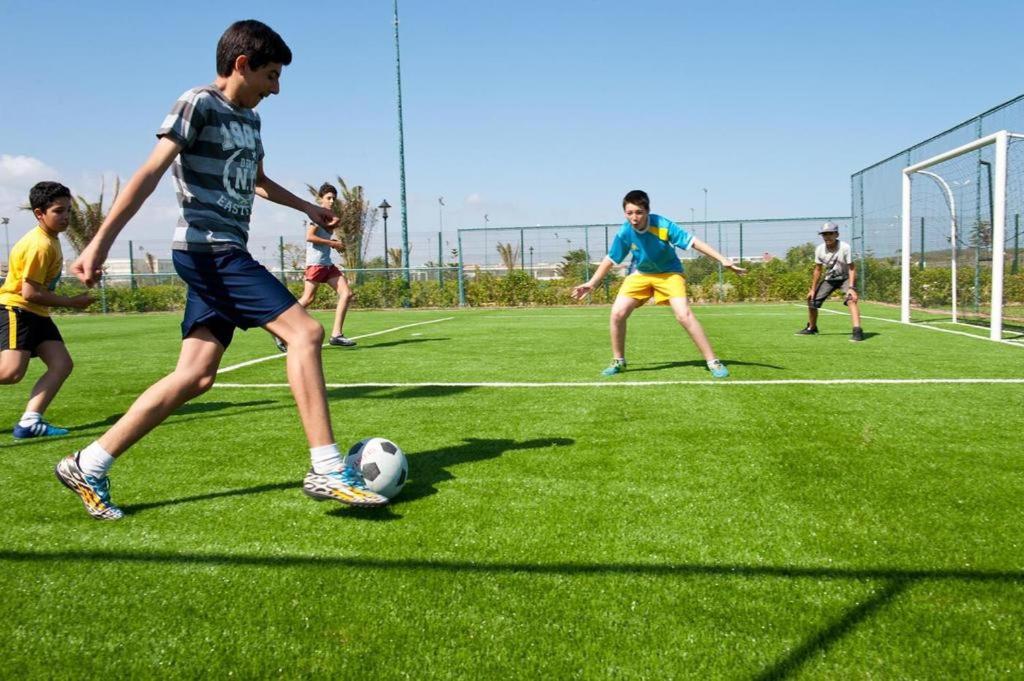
857	336
341	341
808	331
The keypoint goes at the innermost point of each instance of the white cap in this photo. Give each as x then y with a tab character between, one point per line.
829	227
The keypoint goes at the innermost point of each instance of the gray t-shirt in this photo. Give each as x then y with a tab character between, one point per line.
319	254
834	264
215	173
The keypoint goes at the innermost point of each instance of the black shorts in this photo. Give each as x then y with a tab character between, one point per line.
827	287
24	330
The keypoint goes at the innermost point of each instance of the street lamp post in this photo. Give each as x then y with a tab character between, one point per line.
384	205
7	240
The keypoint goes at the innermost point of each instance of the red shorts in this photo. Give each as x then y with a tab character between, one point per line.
321	274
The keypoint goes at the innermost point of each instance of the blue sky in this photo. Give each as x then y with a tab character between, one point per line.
533	112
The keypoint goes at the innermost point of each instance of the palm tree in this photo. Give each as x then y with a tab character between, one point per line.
395	257
86	218
509	255
356	219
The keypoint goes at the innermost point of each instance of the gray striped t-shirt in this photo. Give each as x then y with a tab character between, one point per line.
215	173
319	254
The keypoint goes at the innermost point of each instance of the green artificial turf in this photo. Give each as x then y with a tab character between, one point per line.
609	529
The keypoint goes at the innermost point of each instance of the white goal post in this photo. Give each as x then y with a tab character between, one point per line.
1000	140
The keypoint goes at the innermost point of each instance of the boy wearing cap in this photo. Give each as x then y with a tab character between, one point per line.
834	260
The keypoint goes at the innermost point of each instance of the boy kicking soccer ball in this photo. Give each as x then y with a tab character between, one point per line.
212	138
652	240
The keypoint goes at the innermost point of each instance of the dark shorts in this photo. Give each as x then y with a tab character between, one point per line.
228	290
321	274
827	287
24	330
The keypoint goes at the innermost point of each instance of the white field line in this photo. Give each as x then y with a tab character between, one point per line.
640	384
922	326
280	355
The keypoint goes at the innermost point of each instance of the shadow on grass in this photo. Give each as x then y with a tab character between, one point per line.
661	366
191	412
132	509
388	344
391	392
895	581
428	469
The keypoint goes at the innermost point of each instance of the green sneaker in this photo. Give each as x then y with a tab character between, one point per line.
616	367
718	369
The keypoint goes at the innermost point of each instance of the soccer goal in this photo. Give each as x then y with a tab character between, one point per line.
959	210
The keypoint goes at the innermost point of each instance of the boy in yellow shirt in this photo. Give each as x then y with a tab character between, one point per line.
26	297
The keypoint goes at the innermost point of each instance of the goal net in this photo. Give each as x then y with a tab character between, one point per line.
960	245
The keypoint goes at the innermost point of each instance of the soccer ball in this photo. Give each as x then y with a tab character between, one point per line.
382	463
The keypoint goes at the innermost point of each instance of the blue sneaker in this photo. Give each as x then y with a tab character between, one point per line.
616	367
38	429
94	493
345	485
718	369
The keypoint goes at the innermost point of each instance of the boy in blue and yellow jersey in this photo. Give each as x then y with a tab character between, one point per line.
652	240
212	141
26	297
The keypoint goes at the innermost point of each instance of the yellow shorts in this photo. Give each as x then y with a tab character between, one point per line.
662	286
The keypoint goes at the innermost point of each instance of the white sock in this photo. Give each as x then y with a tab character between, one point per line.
325	459
30	418
94	461
712	361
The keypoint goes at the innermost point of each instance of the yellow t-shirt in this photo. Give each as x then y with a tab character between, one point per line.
38	258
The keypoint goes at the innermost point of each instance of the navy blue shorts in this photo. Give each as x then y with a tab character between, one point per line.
226	290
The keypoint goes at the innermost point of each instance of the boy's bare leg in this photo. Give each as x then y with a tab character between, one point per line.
195	373
812	316
13	365
304	336
854	312
345	296
308	293
621	309
685	316
58	367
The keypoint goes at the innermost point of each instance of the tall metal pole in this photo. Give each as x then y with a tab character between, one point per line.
920	264
705	215
7	240
1016	244
401	156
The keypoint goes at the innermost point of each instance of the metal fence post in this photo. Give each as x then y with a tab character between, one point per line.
131	266
280	253
461	273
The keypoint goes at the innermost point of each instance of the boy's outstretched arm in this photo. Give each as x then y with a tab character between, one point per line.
707	250
88	266
272	191
583	289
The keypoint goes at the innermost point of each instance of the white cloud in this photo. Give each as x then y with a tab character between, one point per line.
23	171
17	175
